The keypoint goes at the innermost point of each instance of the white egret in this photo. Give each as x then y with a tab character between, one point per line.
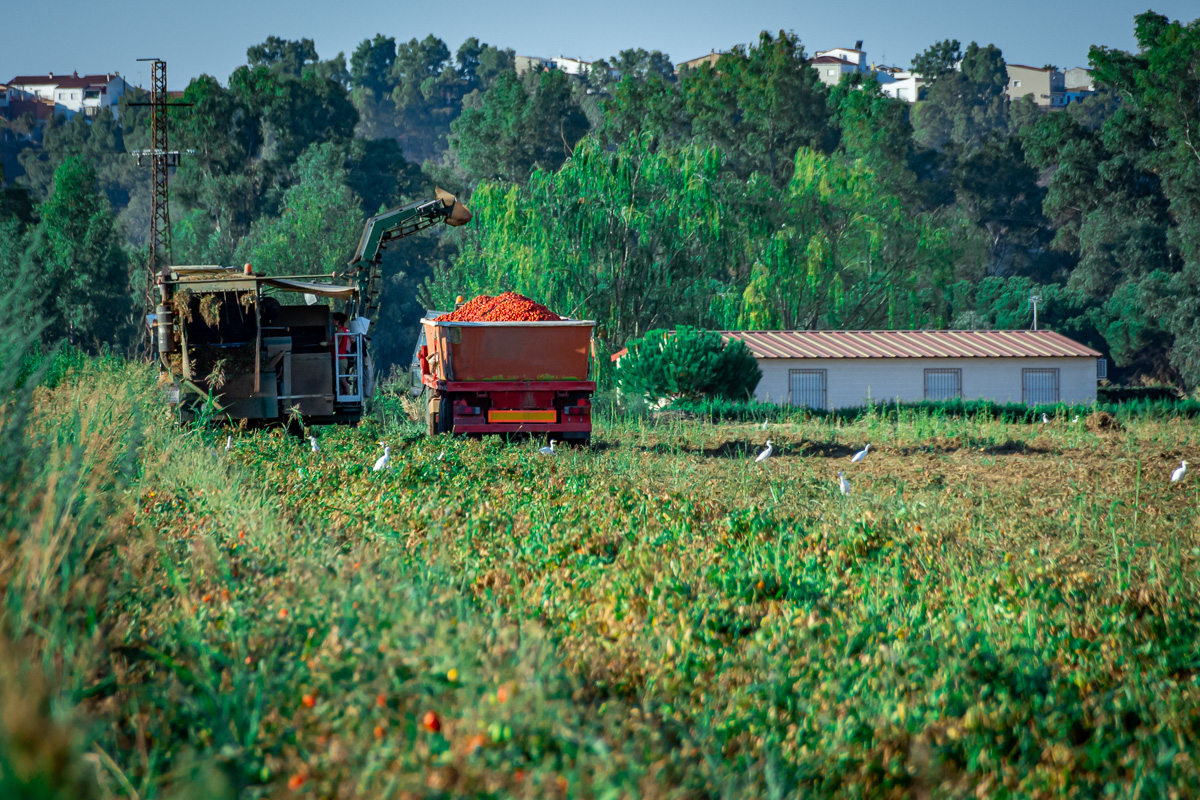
313	441
1076	418
765	454
764	425
1179	472
1045	419
547	451
228	443
382	461
860	455
843	484
442	455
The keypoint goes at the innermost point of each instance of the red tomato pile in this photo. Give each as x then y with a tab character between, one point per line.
507	307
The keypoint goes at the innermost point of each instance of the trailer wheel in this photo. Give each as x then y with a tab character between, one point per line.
445	415
578	439
431	414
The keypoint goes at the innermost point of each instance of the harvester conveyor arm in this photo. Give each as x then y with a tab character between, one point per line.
397	223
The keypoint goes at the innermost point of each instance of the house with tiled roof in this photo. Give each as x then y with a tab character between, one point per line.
831	65
67	94
841	369
846	369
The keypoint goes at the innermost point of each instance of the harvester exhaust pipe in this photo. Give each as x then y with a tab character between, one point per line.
459	214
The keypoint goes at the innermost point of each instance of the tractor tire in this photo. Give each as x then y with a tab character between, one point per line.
431	414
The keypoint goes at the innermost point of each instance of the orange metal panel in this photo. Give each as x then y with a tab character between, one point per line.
533	351
546	415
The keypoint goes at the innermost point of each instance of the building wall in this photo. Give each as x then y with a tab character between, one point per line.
523	64
853	381
68	100
1077	78
1046	86
902	86
830	74
1032	81
696	63
572	66
31	91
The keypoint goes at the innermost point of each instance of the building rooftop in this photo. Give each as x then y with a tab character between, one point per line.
910	344
72	81
831	60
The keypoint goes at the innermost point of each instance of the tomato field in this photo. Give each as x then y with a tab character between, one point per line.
994	609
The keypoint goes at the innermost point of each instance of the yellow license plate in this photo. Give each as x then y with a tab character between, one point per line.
523	416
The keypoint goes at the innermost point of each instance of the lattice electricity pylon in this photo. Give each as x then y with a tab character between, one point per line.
161	160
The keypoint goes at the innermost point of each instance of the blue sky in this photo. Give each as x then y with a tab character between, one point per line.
212	37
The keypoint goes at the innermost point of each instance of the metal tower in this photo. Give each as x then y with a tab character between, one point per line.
161	160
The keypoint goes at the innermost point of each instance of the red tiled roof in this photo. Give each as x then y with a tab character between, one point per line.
63	81
910	344
1025	66
831	60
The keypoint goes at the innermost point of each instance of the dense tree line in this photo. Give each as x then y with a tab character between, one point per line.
741	194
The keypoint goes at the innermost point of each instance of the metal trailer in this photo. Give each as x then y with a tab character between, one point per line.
508	377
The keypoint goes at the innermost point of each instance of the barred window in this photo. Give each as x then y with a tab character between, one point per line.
1039	386
807	388
943	384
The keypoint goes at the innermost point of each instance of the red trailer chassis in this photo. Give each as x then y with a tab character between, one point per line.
536	407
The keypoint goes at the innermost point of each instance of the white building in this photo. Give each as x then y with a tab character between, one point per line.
831	65
572	66
71	94
844	369
901	84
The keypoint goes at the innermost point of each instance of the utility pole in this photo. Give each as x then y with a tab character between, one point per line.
161	160
1034	300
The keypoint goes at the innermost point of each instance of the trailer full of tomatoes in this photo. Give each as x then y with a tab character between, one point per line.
506	307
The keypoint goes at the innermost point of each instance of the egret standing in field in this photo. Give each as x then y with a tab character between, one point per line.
547	451
765	454
441	455
861	454
313	441
1045	419
1179	472
843	484
382	461
228	443
764	425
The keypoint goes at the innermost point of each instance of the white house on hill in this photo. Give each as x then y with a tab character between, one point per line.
70	94
842	369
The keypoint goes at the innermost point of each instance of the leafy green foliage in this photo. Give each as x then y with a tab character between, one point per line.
968	106
763	104
320	224
937	60
689	364
519	126
76	261
641	238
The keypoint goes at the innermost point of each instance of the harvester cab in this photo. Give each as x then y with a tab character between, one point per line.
265	348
